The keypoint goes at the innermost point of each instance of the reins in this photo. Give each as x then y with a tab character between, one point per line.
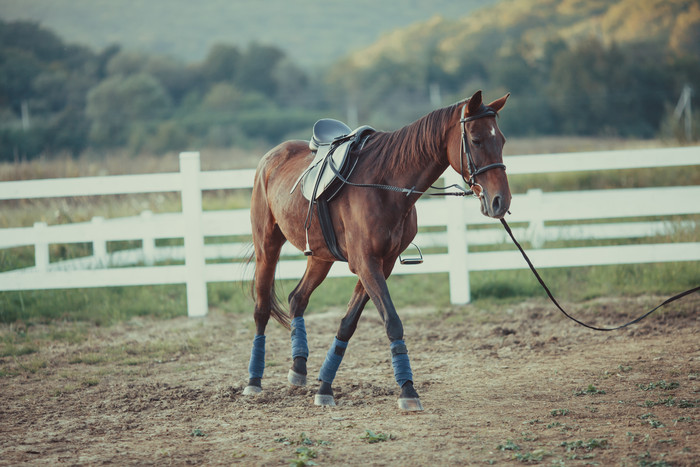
554	300
473	171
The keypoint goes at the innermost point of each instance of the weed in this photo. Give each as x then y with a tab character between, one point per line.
668	402
662	384
372	437
509	446
624	368
655	423
650	418
644	461
589	390
686	404
303	439
197	432
304	454
559	412
535	456
586	445
562	427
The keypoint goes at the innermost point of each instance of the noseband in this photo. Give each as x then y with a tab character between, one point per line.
483	112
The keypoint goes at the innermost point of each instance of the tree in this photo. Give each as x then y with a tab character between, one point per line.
221	63
255	72
118	105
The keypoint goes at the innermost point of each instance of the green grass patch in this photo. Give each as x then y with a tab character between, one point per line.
508	446
590	390
99	306
371	437
109	305
662	384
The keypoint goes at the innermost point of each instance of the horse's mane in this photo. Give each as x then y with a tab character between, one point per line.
413	145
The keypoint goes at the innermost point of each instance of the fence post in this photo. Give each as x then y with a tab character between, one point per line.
99	244
457	248
535	230
197	304
148	242
41	247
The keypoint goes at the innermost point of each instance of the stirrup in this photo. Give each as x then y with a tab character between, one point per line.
414	260
307	251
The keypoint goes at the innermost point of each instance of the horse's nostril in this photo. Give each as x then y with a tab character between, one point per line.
496	204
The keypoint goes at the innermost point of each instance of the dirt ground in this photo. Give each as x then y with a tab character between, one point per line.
510	384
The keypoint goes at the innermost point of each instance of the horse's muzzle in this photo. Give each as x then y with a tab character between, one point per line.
496	206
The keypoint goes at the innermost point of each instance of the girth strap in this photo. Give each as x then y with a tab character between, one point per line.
324	218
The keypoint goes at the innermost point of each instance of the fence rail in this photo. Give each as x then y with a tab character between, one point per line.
539	212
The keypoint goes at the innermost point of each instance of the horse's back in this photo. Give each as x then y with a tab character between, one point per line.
285	160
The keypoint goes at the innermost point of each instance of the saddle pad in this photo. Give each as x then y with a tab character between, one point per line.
319	174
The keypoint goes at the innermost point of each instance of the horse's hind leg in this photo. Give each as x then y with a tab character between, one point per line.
316	272
267	253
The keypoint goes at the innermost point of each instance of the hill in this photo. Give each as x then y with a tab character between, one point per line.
311	32
525	26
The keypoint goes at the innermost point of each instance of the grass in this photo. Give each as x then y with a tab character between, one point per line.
371	437
304	452
590	390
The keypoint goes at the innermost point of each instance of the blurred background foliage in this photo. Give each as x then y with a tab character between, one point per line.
574	67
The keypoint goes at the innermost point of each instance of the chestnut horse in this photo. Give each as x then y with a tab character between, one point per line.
372	225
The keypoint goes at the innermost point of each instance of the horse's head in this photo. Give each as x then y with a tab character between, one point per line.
478	156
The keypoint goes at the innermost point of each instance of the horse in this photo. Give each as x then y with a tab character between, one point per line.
372	226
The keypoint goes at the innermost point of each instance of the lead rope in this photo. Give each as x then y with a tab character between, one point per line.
554	300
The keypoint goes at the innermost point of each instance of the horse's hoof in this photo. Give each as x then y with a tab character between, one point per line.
411	405
296	379
325	400
252	390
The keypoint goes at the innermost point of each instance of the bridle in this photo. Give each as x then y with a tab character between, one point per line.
483	112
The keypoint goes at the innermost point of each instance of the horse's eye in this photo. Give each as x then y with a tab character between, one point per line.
476	143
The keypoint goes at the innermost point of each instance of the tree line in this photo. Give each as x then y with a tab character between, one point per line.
57	97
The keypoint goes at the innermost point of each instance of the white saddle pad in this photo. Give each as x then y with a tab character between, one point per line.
319	173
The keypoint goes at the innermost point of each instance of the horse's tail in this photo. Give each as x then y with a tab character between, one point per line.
276	309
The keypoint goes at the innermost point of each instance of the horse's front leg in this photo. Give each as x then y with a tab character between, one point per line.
330	366
374	282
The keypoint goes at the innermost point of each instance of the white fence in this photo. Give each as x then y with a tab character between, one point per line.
534	209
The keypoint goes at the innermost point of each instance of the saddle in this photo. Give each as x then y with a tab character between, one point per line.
332	141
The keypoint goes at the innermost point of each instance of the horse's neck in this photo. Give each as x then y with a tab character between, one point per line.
425	158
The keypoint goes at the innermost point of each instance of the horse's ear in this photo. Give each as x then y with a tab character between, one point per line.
499	103
474	103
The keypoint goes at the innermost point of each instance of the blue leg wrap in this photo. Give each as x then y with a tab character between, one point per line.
257	358
400	362
300	348
332	362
